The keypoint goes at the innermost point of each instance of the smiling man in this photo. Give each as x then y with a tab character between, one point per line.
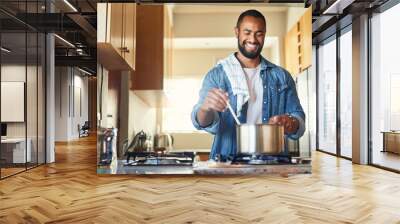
258	90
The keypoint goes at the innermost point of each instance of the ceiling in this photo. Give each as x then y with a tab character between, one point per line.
74	21
333	15
237	8
16	42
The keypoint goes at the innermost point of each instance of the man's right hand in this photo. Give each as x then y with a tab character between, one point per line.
216	100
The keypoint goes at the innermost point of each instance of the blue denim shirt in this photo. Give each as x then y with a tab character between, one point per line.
279	97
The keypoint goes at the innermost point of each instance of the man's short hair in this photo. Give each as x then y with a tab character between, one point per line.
252	12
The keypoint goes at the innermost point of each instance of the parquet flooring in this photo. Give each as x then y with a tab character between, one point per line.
70	191
10	171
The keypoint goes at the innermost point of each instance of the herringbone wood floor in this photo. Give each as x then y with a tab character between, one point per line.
69	191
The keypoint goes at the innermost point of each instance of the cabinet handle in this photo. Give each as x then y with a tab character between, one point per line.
124	49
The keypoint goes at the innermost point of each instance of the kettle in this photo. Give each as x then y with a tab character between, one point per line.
107	145
163	142
139	142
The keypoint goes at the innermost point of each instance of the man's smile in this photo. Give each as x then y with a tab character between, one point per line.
251	46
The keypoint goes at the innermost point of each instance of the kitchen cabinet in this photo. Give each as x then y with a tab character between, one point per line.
298	45
306	39
150	44
291	51
116	35
168	37
116	26
391	141
129	40
154	46
154	53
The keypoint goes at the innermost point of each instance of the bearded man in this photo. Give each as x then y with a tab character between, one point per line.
258	91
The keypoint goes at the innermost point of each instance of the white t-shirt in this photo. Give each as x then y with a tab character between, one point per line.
254	83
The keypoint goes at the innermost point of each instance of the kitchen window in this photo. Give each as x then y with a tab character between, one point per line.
182	94
385	88
334	72
346	93
327	96
22	90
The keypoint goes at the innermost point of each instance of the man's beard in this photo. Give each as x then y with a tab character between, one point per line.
247	54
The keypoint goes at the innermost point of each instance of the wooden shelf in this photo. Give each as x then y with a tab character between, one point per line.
298	46
109	57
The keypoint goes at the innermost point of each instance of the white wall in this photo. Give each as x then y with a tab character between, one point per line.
222	25
33	126
143	117
197	63
62	81
134	114
12	73
69	85
102	97
81	82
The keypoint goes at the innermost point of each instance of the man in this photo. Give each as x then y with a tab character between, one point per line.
257	90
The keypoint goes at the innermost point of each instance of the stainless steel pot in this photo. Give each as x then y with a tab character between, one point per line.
257	139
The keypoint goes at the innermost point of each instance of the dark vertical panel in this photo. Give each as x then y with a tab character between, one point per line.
338	73
45	87
1	163
37	92
317	96
369	78
26	79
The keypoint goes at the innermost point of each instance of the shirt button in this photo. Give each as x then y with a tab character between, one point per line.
265	102
264	119
265	87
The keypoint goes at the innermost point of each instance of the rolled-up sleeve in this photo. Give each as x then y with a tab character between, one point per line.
209	82
302	127
294	108
212	128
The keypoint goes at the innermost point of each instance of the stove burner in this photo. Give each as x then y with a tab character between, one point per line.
159	159
261	159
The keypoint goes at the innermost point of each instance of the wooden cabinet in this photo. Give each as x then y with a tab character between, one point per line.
306	39
168	37
116	26
154	53
298	45
391	141
154	47
150	44
116	35
129	40
291	51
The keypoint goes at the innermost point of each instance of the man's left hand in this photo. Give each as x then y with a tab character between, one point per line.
289	123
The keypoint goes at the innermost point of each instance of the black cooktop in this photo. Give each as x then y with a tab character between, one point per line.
159	159
262	159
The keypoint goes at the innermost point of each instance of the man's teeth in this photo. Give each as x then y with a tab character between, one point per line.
253	46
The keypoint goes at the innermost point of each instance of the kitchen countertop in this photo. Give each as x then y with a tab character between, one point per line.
119	168
205	168
192	150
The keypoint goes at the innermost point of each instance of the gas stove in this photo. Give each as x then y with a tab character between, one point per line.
262	159
159	159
